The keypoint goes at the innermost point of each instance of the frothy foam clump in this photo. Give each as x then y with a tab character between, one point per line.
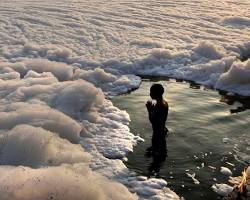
39	114
236	79
226	171
110	134
222	189
78	99
60	70
52	52
34	146
160	60
10	76
109	83
62	183
97	76
74	98
209	50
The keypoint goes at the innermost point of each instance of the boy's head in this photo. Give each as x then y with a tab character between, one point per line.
156	91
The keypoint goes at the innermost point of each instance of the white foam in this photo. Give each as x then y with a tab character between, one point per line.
60	70
226	171
222	189
36	128
209	50
74	98
9	76
110	84
62	182
50	42
225	140
192	176
40	115
34	146
236	79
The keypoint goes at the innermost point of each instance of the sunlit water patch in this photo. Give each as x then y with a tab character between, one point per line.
205	134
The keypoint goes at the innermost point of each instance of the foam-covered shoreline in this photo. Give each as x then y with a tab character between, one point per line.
67	126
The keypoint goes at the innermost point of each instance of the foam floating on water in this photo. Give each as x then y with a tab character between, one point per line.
222	189
226	171
192	176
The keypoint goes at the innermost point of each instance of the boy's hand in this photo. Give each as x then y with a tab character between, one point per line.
149	105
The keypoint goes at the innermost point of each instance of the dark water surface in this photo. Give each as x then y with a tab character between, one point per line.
205	134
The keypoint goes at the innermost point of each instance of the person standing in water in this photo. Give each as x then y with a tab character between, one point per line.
158	114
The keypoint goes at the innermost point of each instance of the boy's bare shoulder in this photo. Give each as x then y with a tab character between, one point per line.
165	104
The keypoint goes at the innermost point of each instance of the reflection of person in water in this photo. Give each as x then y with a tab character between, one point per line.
158	114
156	164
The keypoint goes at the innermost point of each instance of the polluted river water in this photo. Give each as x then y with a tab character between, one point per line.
205	134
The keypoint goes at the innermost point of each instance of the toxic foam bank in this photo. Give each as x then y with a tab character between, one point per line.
60	137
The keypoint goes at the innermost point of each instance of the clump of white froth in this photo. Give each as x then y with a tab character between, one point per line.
207	73
146	43
60	70
209	50
10	75
110	134
63	183
226	171
156	57
124	84
109	83
236	79
33	74
222	189
40	115
160	62
78	99
97	76
35	146
55	52
12	89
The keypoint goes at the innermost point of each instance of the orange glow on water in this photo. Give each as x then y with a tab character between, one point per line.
243	181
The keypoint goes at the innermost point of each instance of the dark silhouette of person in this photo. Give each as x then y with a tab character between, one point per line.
158	114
